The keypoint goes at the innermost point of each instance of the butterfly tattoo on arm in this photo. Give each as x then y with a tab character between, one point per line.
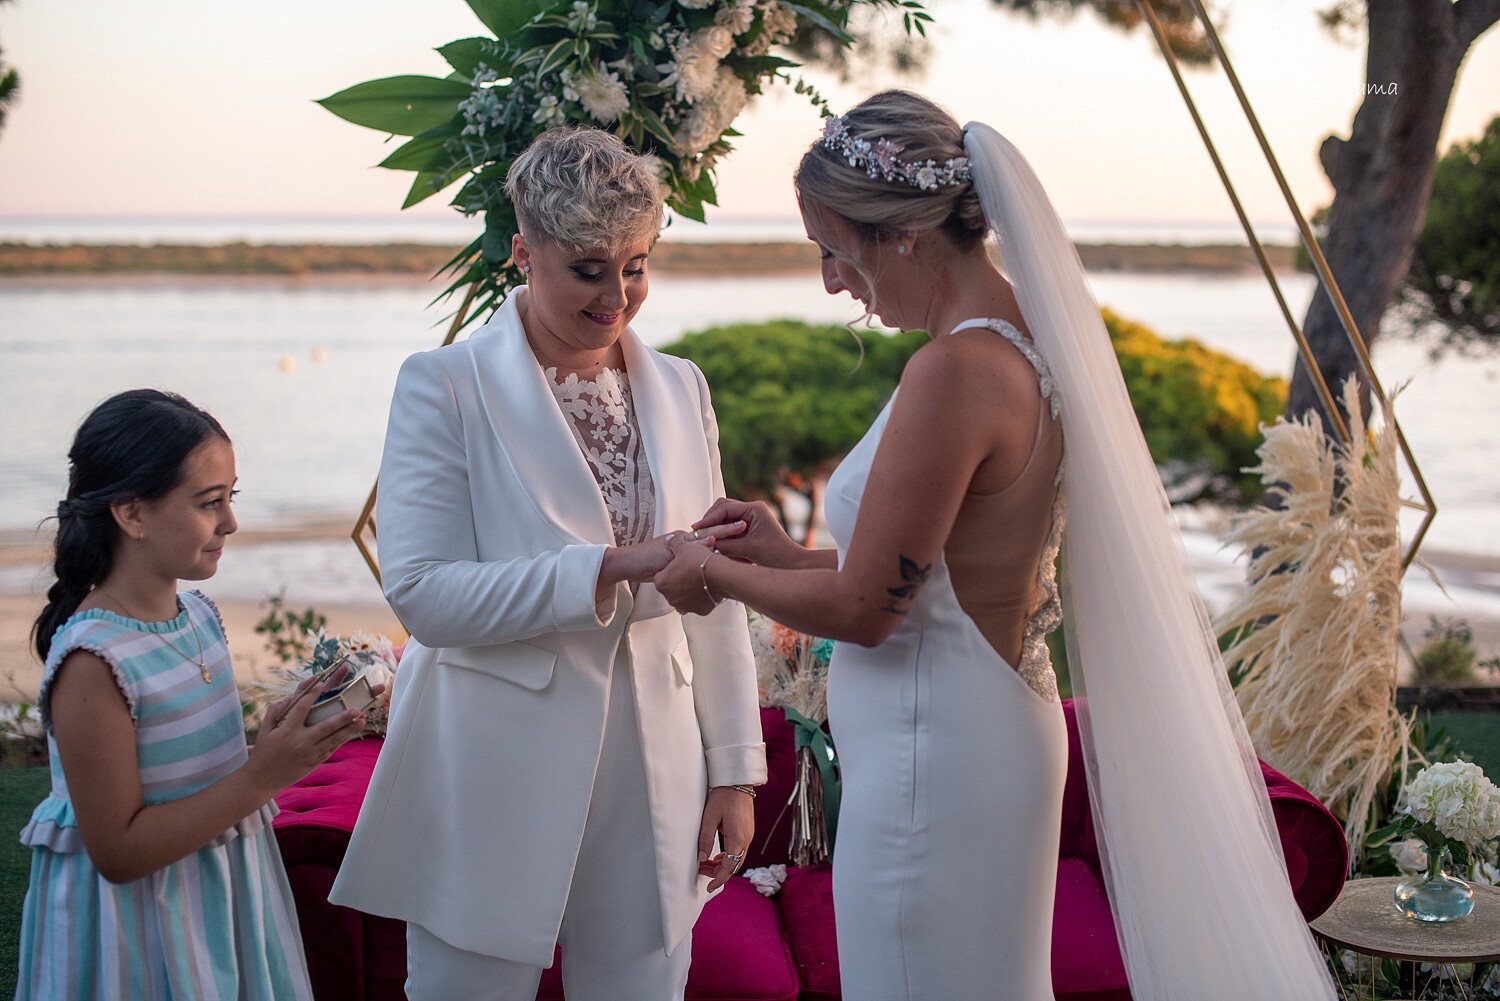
912	578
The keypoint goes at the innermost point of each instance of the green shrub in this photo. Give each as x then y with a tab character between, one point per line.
1448	655
1199	409
792	397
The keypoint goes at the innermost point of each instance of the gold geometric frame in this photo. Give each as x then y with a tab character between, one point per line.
1315	252
364	528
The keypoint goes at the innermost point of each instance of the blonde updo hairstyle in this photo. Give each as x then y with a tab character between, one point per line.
583	189
878	209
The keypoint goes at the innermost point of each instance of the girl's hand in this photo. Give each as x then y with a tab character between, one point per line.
681	581
287	749
730	814
763	541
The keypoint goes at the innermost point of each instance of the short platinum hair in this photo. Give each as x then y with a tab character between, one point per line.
583	188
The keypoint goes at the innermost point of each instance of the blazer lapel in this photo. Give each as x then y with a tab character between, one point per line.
532	431
666	409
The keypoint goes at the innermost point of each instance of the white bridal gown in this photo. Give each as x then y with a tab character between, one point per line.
953	759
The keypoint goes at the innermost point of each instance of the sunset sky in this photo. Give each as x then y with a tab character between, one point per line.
181	107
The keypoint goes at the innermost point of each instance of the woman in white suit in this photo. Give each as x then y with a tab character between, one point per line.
564	748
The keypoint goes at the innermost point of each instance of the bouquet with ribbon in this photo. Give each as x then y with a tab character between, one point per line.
792	670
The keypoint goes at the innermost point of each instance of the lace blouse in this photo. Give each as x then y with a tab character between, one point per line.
601	414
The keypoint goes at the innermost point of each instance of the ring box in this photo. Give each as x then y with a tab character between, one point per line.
355	695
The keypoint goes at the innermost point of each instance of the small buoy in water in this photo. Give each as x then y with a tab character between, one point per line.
320	355
288	364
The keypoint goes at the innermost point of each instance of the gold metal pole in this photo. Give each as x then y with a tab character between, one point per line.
1330	286
1308	358
1315	253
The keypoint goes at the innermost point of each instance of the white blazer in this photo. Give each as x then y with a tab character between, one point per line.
491	531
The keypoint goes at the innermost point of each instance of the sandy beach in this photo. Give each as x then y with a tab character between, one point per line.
1473	581
21	673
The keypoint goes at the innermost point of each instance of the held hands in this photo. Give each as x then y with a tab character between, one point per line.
763	542
642	561
286	749
683	581
730	814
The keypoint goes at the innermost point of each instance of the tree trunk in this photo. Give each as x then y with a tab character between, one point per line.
1382	174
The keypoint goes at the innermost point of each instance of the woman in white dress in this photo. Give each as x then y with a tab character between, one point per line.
948	517
556	770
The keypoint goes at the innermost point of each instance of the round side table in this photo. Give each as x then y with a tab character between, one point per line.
1364	918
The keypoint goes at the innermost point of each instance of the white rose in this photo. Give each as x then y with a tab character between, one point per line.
767	880
779	23
549	112
696	66
706	122
602	95
737	17
1410	855
715	39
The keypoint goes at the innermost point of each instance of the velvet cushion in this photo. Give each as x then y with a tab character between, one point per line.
1077	816
350	956
1086	961
738	952
550	989
328	799
806	906
745	946
1312	840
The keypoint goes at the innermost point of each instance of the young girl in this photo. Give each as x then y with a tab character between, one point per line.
154	870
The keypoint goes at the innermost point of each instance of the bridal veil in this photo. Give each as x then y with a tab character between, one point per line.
1190	851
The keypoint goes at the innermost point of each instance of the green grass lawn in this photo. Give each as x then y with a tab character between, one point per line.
21	789
1478	735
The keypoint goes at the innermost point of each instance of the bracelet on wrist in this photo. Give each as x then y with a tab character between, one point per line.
703	573
746	789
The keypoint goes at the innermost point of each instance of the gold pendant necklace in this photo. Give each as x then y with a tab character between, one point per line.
201	663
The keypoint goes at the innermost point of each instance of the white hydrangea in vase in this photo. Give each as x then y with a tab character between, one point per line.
1452	810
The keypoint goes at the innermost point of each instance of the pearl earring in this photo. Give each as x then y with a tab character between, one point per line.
901	249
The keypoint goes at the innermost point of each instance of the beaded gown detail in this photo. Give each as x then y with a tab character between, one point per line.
953	764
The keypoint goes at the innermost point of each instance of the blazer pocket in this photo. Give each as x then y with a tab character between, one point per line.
519	663
682	662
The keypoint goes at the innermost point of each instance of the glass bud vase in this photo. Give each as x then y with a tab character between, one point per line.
1434	895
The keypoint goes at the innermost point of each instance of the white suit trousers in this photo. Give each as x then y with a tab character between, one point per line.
611	933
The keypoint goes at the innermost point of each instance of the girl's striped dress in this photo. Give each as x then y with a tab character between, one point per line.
217	925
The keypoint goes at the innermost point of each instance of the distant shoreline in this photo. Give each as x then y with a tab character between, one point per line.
317	263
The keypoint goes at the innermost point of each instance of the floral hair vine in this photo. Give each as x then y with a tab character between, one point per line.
882	159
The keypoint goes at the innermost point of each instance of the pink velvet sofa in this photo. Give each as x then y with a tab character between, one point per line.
747	947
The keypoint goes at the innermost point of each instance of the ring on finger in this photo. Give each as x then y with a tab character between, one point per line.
671	536
693	536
